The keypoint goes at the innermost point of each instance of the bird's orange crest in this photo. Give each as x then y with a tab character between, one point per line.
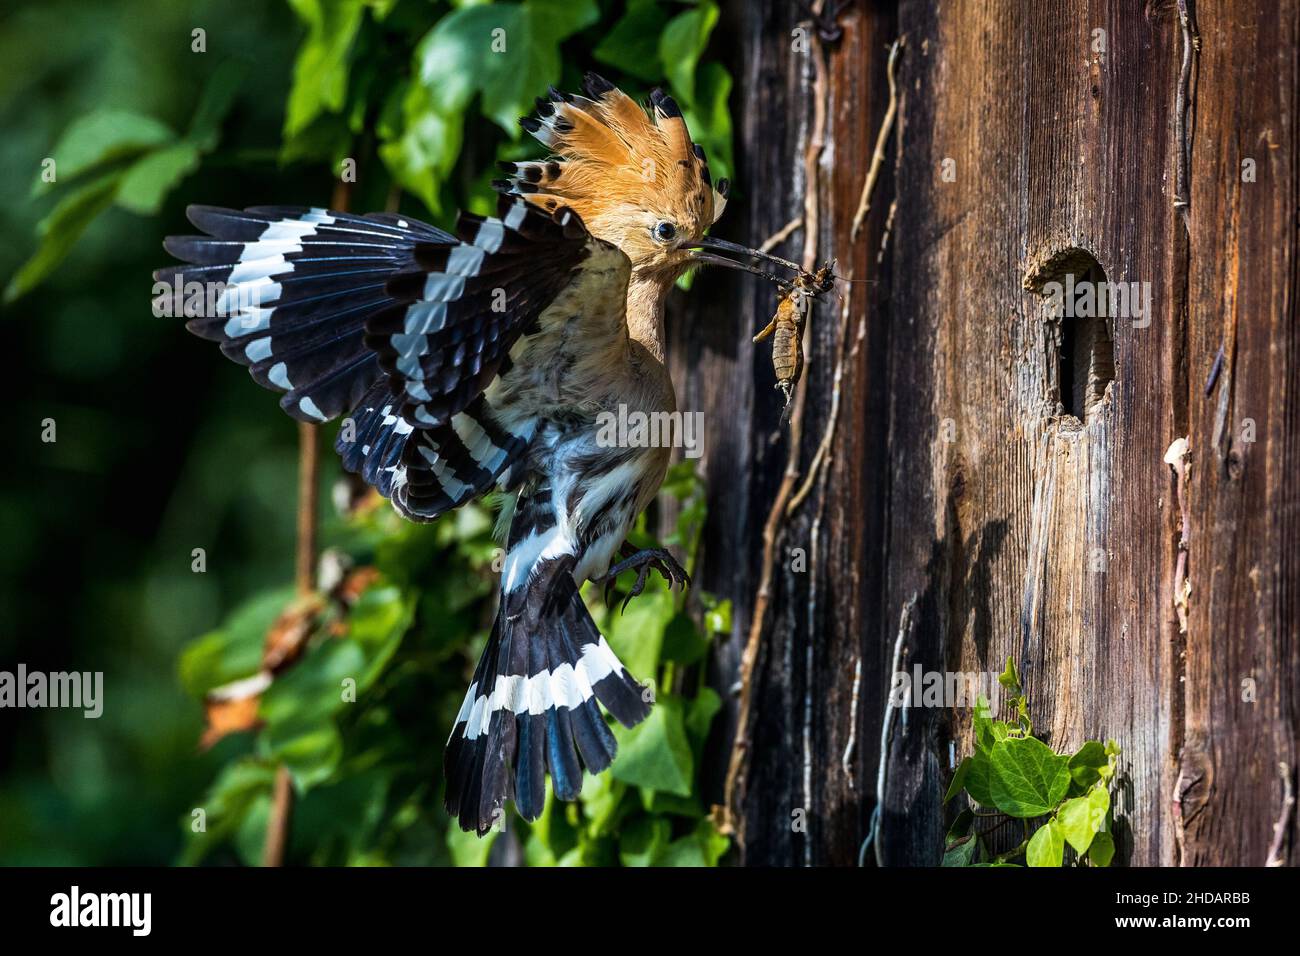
633	174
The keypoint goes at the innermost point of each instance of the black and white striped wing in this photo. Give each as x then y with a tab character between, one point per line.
401	323
445	342
458	317
287	291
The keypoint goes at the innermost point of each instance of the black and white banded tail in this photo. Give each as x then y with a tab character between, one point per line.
531	709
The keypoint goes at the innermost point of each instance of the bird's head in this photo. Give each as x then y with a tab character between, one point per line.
633	175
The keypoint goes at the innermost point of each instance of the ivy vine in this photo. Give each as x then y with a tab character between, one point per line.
1062	800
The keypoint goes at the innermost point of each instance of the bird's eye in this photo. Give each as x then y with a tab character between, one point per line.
665	231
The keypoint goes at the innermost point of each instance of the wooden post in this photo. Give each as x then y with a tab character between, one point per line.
1004	468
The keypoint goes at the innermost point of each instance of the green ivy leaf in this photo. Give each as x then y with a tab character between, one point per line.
1046	846
1077	823
320	72
452	58
682	44
311	757
157	163
709	119
717	619
1102	850
961	844
249	838
699	718
308	694
233	651
960	826
958	779
703	847
60	230
377	623
977	779
602	797
1027	778
214	103
1086	763
633	45
424	153
229	801
982	722
681	482
148	180
299	706
656	752
637	634
961	852
100	137
660	804
683	641
644	841
507	52
1099	806
1010	678
552	836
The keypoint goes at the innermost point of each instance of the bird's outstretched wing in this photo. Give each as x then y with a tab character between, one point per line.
402	324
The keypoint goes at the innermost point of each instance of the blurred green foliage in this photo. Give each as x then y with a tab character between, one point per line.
163	447
358	719
371	77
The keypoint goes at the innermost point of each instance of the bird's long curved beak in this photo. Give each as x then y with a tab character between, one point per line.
708	252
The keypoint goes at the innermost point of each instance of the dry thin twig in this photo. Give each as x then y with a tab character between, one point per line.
886	727
878	157
814	562
308	469
1178	457
1183	784
823	452
1275	857
824	448
813	551
1185	97
280	820
781	235
846	760
771	529
889	231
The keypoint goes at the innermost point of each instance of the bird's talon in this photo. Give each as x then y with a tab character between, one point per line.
657	558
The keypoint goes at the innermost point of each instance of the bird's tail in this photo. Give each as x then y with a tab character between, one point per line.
531	708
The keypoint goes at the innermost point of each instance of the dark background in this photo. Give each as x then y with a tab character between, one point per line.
163	446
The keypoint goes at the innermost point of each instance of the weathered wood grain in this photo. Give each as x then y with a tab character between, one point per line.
1026	532
958	477
1244	541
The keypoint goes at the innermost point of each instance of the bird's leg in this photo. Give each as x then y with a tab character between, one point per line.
643	560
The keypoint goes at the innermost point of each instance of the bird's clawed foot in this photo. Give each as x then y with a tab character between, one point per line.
645	559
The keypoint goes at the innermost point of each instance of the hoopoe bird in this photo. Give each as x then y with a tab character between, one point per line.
482	360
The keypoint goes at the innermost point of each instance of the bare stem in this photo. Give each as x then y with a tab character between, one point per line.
878	157
732	820
280	821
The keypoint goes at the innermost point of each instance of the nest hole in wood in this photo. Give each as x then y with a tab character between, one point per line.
1080	353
